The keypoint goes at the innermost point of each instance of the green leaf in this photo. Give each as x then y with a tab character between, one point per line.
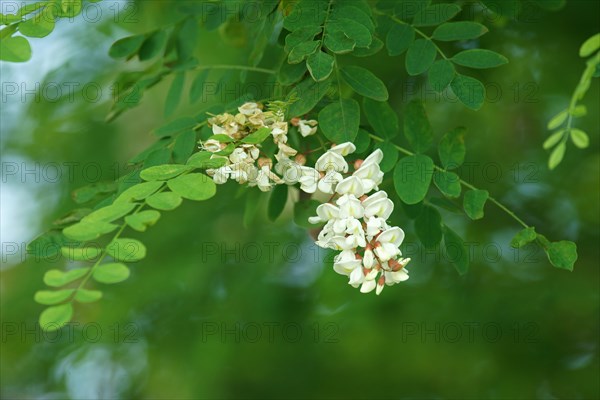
381	117
81	253
303	50
469	91
203	160
89	192
390	156
456	252
523	237
110	213
320	65
579	111
441	73
558	120
349	11
362	141
184	146
354	30
111	273
417	128
435	14
142	220
590	46
463	30
164	172
197	88
562	254
412	211
364	82
303	210
306	13
291	73
87	296
47	245
139	191
195	186
302	35
452	148
15	49
307	94
153	45
580	138
40	25
55	317
51	297
399	38
221	137
374	48
557	155
124	249
126	47
174	94
447	182
258	136
412	177
176	126
479	58
85	231
553	139
277	201
337	42
57	278
339	121
164	201
428	227
420	56
474	201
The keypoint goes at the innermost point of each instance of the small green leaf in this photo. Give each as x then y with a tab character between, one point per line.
47	245
428	227
390	156
40	25
291	73
153	45
354	30
473	203
362	141
164	172
58	278
81	253
562	254
374	48
303	50
277	201
463	30
258	136
15	49
126	47
174	94
184	146
412	177
579	111
164	201
456	252
399	38
420	56
195	186
448	183
87	296
84	231
304	34
435	14
452	148
197	88
55	317
479	58
441	73
523	237
469	91
381	117
364	82
339	121
557	155
203	160
142	220
110	213
590	46
320	65
417	128
307	94
111	273
553	139
580	138
124	249
51	297
337	42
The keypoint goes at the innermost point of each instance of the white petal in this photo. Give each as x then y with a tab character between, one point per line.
368	286
351	185
393	235
344	149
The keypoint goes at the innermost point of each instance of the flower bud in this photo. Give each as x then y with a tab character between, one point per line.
300	159
358	163
264	161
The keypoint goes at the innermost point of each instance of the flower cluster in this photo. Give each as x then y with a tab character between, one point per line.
243	163
356	224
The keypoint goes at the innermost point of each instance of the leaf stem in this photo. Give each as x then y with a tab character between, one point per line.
462	182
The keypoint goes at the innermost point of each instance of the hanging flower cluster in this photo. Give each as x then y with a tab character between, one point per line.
355	220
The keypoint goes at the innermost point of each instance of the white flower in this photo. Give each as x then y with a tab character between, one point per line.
374	157
249	109
325	212
388	243
379	208
308	179
329	181
345	262
350	185
307	127
279	132
344	149
370	174
368	286
220	176
350	207
238	155
211	145
331	161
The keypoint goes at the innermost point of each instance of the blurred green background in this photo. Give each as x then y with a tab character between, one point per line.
220	310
